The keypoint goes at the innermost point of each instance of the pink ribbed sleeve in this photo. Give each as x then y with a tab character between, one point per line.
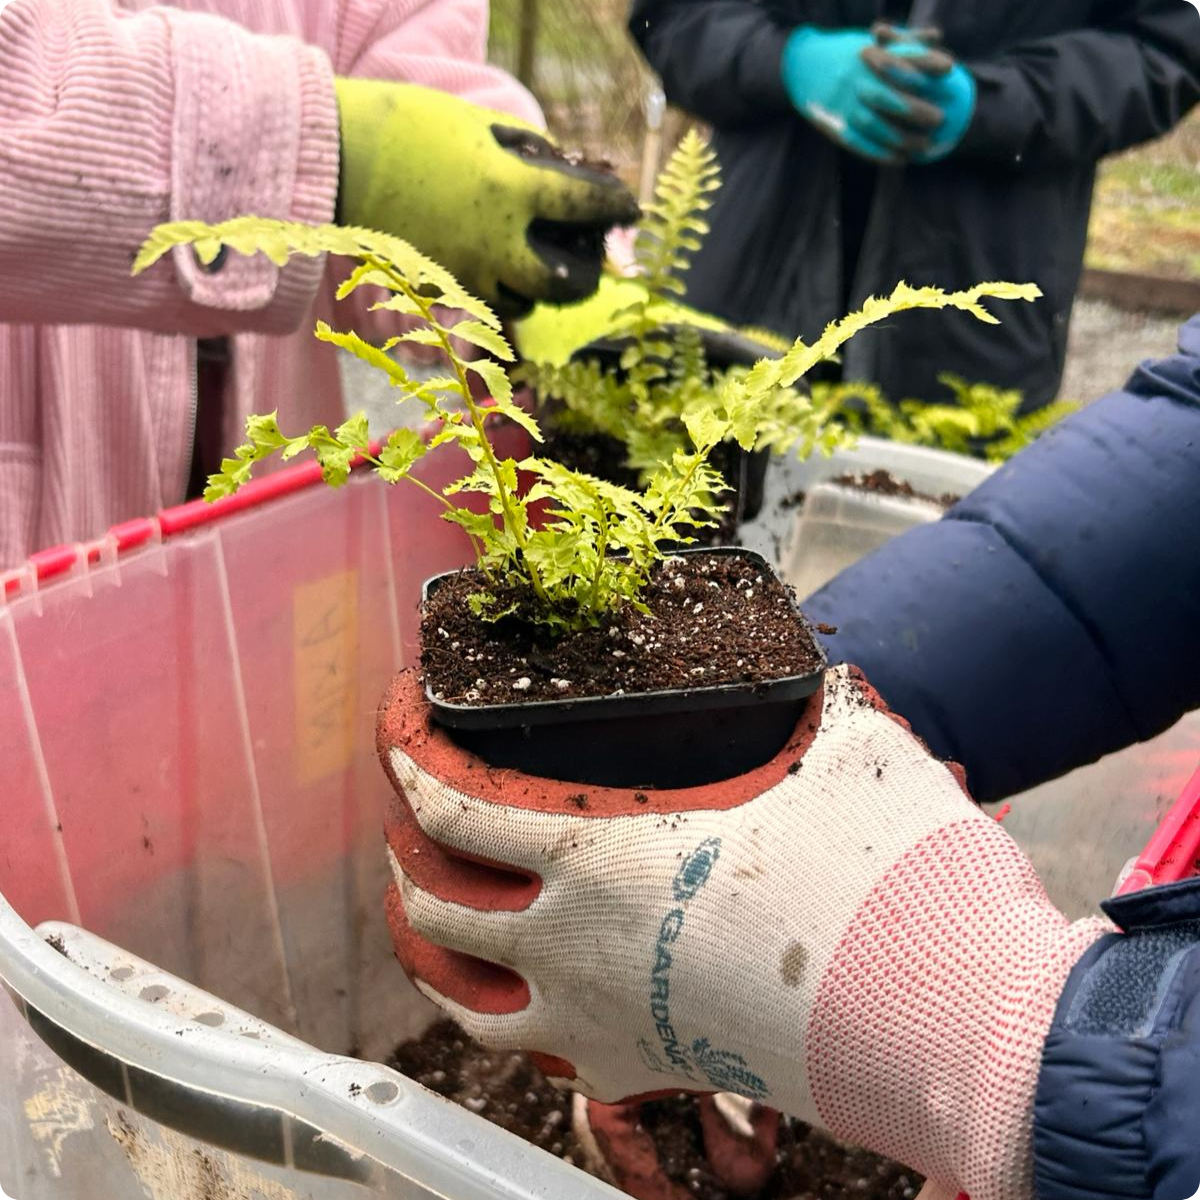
112	122
437	43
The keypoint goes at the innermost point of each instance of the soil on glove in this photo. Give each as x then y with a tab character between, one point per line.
884	483
510	1091
713	619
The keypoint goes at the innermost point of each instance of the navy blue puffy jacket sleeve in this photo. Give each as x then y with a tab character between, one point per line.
1053	615
1118	1095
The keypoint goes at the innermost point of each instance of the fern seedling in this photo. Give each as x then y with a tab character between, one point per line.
664	373
600	543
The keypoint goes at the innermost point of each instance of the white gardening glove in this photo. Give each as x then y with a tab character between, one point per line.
840	933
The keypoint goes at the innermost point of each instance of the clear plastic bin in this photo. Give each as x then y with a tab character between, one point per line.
837	524
187	769
187	760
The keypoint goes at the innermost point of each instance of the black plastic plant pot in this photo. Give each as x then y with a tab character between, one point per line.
744	471
661	739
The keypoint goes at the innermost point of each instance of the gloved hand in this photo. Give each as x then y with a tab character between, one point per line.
482	193
555	334
740	1140
858	92
840	933
942	81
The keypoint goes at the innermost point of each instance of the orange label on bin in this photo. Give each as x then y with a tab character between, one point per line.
325	657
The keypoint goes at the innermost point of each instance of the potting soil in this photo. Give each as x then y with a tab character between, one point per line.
713	619
507	1089
884	483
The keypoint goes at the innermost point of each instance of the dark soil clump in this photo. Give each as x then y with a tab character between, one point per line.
595	454
501	1085
507	1089
714	619
884	483
539	149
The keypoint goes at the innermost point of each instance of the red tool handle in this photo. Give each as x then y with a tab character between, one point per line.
1172	852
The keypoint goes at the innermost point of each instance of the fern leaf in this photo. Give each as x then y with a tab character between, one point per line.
384	253
368	353
802	357
485	337
671	225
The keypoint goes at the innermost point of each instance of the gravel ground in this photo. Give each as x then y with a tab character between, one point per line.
1106	344
367	389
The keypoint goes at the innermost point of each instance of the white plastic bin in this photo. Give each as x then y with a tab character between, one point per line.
187	768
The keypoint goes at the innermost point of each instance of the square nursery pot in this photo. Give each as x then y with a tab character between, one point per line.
661	739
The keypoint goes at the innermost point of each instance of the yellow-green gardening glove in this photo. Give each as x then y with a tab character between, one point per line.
482	193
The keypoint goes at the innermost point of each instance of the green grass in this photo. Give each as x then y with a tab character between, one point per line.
1146	216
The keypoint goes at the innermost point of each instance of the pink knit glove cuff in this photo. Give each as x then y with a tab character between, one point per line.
926	1036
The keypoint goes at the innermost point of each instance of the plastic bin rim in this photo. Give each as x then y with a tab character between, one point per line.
180	518
48	564
259	1075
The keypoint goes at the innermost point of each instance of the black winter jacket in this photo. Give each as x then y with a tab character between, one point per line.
1061	83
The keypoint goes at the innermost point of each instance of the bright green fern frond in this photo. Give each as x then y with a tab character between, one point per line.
802	357
594	396
672	225
688	361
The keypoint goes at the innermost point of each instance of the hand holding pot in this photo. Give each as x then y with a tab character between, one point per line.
486	196
840	933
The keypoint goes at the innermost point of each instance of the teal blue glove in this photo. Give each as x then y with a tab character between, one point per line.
954	95
855	91
938	79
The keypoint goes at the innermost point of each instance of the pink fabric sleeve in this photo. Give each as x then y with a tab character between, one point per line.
113	122
438	43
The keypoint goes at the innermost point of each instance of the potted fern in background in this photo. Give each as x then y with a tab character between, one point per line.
580	645
617	375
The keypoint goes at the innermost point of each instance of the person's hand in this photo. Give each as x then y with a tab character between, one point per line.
483	194
857	91
840	933
740	1140
942	81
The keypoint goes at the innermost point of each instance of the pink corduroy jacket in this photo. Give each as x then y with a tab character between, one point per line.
116	115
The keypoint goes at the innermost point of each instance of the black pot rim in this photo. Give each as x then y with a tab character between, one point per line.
632	704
